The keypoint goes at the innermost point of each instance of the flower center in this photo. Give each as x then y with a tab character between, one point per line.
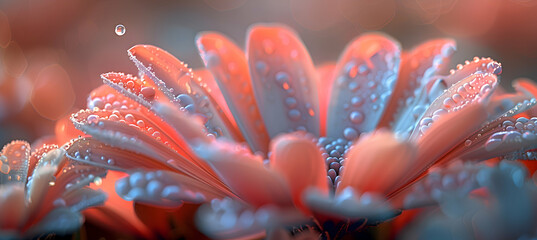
333	151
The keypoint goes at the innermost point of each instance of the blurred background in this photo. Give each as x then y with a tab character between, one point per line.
53	51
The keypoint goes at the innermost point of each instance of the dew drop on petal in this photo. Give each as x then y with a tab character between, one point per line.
468	142
120	30
98	181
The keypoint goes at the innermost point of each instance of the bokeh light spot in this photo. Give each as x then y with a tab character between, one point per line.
52	95
225	5
315	14
120	30
5	30
368	14
14	60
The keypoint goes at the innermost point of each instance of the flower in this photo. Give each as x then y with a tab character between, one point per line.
269	141
43	192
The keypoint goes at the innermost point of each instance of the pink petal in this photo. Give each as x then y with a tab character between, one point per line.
245	174
326	80
140	90
181	86
476	88
63	189
165	188
376	163
406	122
284	80
37	155
109	157
214	91
456	180
116	214
507	137
227	218
366	75
119	133
12	206
477	65
444	135
14	162
127	128
190	127
107	98
229	67
106	156
348	204
298	159
41	181
417	68
529	88
485	143
64	131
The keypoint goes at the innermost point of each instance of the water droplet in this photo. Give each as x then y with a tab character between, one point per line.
129	118
374	97
282	78
261	68
356	101
356	117
294	114
93	119
468	142
353	86
148	92
120	30
350	134
291	102
98	181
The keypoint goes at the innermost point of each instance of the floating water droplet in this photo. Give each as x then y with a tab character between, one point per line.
120	30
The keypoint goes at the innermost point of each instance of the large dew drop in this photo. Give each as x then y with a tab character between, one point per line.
120	30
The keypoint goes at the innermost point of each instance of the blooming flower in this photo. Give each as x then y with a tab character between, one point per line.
270	141
43	192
